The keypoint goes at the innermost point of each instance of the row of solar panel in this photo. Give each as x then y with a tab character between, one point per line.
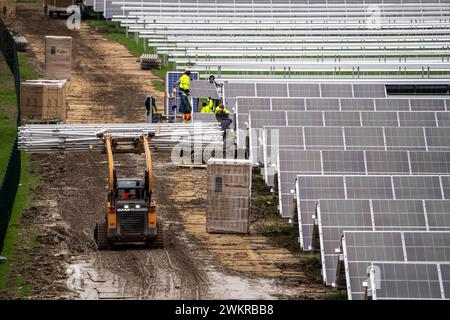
336	216
398	192
421	271
304	90
243	108
322	163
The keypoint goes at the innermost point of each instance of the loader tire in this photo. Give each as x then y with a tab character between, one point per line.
101	236
158	242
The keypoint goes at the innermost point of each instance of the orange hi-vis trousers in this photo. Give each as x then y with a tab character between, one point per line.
186	117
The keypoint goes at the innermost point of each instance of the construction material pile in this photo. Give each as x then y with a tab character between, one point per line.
150	61
43	101
229	196
58	57
83	137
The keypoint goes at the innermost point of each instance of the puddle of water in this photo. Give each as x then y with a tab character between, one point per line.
89	283
224	286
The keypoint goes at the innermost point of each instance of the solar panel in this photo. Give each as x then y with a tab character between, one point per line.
374	187
437	138
361	248
407	280
417	119
322	104
392	105
379	119
235	89
323	138
288	104
405	138
203	89
443	118
364	138
342	119
438	214
292	138
271	90
445	274
427	105
343	162
304	90
257	120
382	162
336	90
308	118
358	105
369	91
244	104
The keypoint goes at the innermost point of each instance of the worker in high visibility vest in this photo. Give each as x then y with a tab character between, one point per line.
221	111
211	104
184	82
223	116
185	107
206	108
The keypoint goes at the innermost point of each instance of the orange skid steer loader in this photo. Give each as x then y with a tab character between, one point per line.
130	216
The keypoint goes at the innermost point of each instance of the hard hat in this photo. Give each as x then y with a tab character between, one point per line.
188	72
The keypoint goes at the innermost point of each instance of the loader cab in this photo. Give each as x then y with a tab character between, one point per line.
130	190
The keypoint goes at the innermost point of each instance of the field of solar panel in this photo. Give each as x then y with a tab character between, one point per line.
340	109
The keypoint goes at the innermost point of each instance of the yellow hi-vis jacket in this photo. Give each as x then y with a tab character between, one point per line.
185	82
225	110
206	109
211	104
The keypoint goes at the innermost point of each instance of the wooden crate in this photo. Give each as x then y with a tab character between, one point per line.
58	57
43	100
229	196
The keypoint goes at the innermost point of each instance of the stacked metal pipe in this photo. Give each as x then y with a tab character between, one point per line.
41	138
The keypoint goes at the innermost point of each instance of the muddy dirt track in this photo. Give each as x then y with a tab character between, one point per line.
107	86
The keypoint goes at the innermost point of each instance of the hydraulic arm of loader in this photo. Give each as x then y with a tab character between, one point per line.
111	211
152	223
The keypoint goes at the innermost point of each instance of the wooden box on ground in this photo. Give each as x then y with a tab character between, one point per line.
58	57
43	100
229	196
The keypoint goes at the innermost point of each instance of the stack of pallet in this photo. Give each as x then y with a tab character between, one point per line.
150	61
43	101
229	196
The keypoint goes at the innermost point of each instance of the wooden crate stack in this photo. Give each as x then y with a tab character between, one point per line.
229	196
43	101
58	57
150	61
